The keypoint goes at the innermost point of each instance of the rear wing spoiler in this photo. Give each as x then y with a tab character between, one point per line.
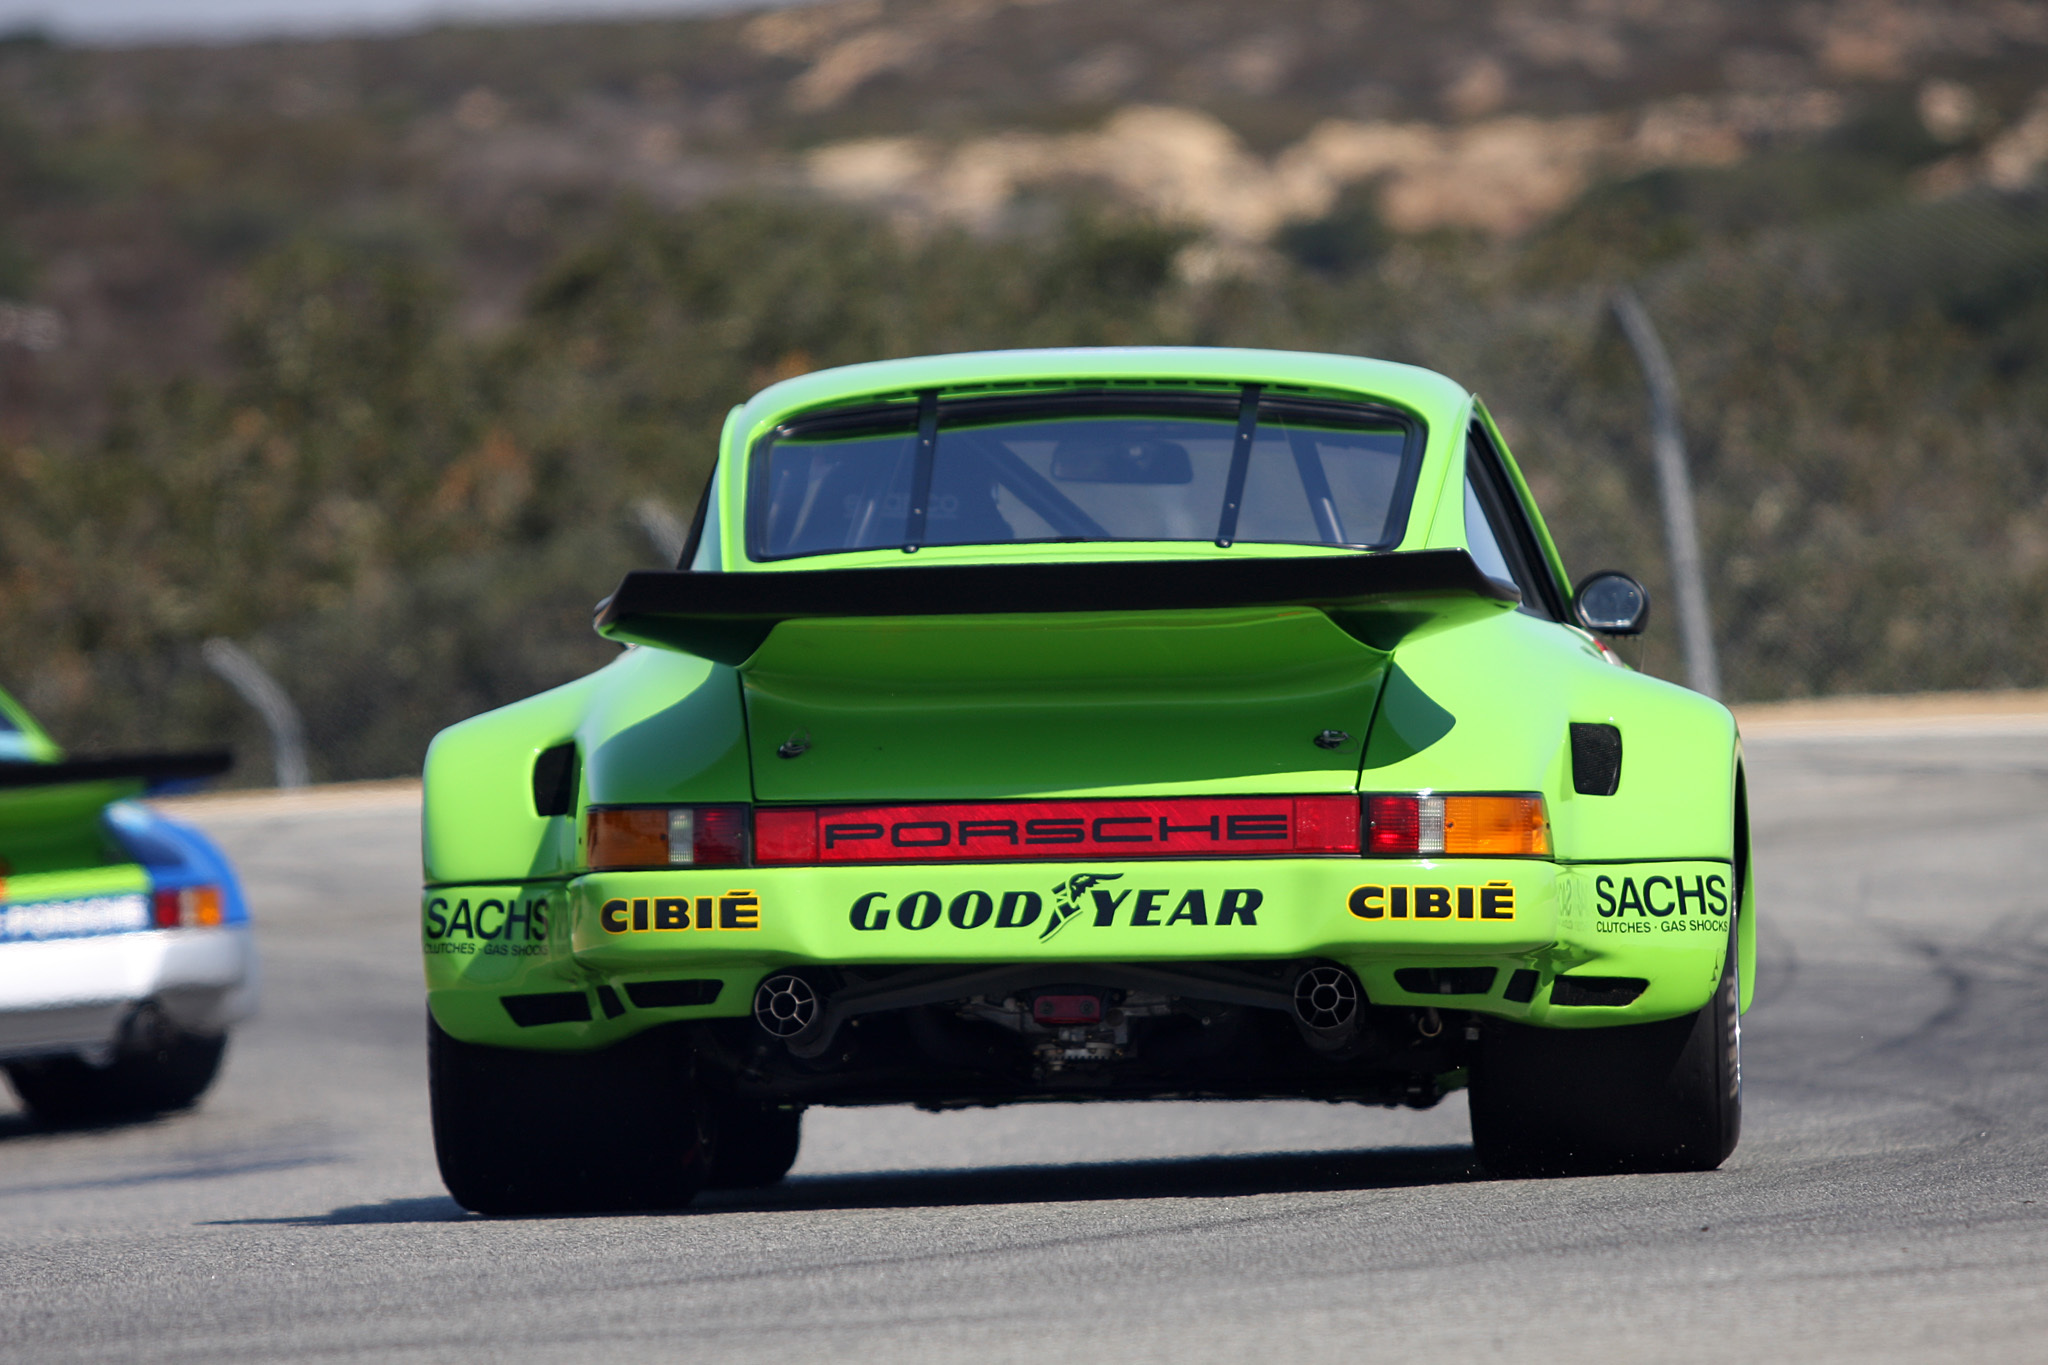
725	617
152	770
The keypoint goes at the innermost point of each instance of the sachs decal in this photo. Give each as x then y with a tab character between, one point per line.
509	926
1661	904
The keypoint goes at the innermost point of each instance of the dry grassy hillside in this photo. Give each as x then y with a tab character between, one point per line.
366	352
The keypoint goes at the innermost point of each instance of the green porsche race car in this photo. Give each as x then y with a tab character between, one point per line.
1089	725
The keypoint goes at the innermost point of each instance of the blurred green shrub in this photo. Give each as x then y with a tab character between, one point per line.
408	518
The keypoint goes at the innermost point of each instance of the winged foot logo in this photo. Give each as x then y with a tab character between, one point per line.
1070	899
1066	899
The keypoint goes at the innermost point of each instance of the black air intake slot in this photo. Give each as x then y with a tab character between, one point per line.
1596	990
554	781
548	1007
671	995
1596	759
1445	980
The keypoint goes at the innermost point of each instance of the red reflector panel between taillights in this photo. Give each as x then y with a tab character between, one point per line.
1178	827
786	836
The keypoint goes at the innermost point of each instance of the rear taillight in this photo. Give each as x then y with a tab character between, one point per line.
666	836
187	907
1393	825
1430	824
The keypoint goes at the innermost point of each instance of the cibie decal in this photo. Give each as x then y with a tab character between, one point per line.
661	914
1494	900
1132	906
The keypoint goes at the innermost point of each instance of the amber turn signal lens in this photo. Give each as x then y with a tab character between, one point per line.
628	838
1496	826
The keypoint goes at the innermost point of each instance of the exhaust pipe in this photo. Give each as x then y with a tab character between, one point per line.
788	1006
1327	1000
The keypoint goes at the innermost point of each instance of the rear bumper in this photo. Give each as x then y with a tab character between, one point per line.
1490	936
72	995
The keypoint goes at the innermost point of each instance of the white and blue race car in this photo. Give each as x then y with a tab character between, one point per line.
125	950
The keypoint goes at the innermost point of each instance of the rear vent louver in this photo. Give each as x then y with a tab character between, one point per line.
1585	991
1596	759
672	995
548	1007
1445	980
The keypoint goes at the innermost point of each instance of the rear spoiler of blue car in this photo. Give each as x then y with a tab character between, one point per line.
152	770
725	617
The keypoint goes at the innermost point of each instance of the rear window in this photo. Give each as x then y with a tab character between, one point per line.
1085	467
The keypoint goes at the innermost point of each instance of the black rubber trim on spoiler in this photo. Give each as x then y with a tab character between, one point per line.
726	616
143	767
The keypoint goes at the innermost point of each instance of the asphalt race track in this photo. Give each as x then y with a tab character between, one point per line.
1889	1200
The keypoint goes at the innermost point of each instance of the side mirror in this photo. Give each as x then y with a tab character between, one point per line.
1612	604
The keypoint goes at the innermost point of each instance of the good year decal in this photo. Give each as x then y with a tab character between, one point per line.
1083	896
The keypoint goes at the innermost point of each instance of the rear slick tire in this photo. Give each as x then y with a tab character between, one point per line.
519	1132
158	1070
753	1144
1637	1098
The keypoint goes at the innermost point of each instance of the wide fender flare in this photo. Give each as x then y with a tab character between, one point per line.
1488	705
651	727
